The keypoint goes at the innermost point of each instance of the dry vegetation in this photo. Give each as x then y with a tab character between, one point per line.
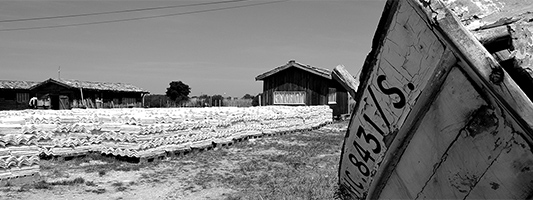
293	166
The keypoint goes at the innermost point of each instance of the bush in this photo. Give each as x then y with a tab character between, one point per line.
42	185
101	173
238	103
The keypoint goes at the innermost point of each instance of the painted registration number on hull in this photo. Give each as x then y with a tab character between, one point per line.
407	59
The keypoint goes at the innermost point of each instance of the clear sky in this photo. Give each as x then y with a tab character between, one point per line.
218	52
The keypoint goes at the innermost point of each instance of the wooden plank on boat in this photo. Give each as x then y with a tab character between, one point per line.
459	138
481	66
510	175
441	125
388	91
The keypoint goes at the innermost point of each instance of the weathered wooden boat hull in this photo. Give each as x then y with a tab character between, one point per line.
436	115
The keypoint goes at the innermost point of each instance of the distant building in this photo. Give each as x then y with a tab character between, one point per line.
298	84
15	95
66	94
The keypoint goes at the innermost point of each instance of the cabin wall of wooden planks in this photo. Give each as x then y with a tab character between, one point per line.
110	98
8	99
341	105
315	87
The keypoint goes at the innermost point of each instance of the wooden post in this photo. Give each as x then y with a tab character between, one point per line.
143	95
344	77
81	92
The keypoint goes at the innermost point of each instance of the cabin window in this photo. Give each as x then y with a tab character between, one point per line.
289	97
332	96
23	97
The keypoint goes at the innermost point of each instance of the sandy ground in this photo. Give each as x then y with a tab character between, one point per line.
198	176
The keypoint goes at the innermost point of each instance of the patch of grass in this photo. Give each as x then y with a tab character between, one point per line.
24	188
342	193
98	191
293	166
59	173
121	188
42	185
76	181
153	177
189	188
8	184
206	179
5	189
46	165
287	184
117	184
253	165
301	173
105	164
206	158
145	176
156	180
90	183
126	167
116	165
289	160
48	185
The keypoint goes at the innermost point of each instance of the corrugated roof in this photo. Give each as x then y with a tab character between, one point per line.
326	73
91	85
9	84
126	87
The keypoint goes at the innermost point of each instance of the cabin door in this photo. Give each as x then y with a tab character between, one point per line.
332	101
63	102
54	102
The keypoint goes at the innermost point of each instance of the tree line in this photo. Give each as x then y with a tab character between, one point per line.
177	95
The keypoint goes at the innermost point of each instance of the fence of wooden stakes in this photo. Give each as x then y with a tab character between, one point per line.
27	135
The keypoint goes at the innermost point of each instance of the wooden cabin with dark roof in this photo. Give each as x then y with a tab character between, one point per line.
298	84
15	95
66	94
